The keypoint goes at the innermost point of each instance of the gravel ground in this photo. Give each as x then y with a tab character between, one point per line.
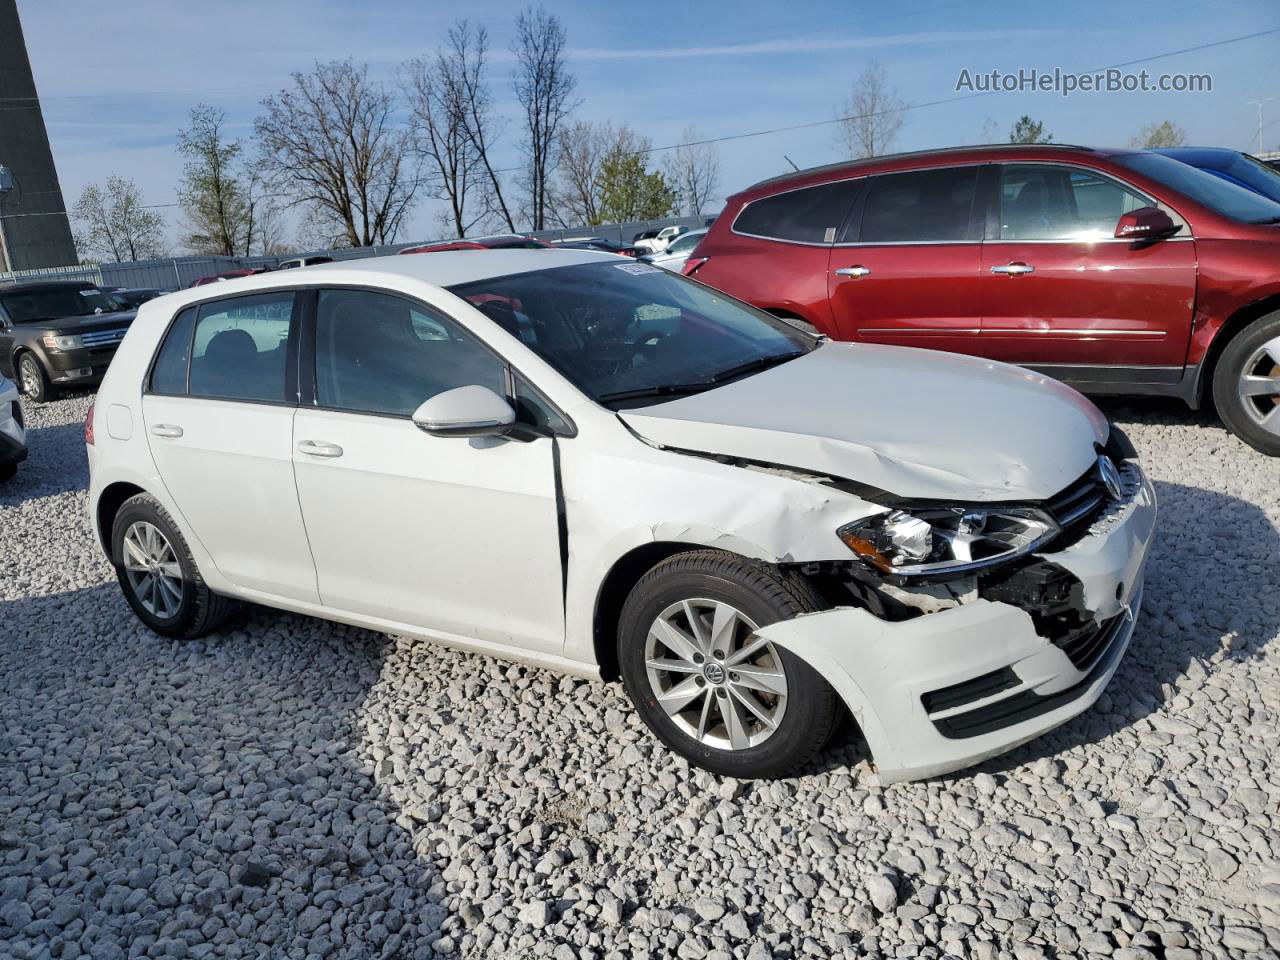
293	788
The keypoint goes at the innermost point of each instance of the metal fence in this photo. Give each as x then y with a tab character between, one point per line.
176	273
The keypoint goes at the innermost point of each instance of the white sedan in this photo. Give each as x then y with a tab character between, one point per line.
677	253
608	469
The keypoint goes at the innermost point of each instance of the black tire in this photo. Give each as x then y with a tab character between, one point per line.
7	470
200	610
1240	415
32	379
762	593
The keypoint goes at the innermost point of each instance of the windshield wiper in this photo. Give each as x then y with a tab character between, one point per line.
662	390
754	366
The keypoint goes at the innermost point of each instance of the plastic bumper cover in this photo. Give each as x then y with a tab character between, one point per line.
946	690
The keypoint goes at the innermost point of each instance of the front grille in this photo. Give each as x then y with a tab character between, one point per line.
1078	506
103	338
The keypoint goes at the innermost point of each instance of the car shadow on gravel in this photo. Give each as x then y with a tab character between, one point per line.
165	794
1212	591
49	469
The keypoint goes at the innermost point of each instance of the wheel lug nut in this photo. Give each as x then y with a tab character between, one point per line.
719	654
699	681
698	658
721	692
733	677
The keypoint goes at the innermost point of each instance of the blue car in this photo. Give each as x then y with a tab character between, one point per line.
1231	165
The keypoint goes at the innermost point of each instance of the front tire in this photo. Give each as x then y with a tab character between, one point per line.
705	683
1246	385
31	376
158	575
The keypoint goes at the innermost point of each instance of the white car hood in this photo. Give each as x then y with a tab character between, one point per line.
915	423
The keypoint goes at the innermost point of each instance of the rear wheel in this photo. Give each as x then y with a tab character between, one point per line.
703	680
158	575
1246	385
31	377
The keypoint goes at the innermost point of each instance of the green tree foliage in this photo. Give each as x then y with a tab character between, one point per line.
630	191
1026	130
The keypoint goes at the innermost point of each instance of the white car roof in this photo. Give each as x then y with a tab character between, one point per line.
448	267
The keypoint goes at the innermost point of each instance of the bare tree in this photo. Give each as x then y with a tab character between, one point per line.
543	85
872	116
470	47
1166	134
330	141
212	193
583	146
693	171
114	224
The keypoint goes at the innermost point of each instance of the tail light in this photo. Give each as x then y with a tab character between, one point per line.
693	264
88	425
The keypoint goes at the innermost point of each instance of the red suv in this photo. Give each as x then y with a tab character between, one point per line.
1117	271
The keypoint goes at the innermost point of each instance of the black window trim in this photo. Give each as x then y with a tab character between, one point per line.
992	233
291	349
977	217
307	358
842	226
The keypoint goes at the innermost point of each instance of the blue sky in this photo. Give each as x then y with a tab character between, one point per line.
118	79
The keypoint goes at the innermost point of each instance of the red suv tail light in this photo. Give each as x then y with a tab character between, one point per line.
693	264
88	425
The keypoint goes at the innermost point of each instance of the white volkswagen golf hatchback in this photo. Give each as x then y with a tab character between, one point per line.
604	468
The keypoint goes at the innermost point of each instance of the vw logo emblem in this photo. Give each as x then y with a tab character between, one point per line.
1110	477
713	672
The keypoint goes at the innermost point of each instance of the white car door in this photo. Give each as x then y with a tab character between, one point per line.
219	421
451	534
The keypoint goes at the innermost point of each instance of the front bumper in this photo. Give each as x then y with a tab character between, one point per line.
946	690
85	366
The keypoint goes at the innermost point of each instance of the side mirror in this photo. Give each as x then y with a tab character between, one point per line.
1145	223
473	411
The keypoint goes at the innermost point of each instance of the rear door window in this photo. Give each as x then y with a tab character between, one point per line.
240	348
809	215
922	206
169	375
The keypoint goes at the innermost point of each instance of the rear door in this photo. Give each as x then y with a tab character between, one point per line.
218	409
906	270
451	534
1060	292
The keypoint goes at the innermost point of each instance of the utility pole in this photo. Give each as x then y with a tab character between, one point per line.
1259	102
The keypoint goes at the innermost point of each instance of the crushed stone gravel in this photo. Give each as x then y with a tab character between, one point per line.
295	788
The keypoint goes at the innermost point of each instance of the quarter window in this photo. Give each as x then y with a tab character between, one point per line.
1044	202
378	353
919	207
240	348
170	372
810	215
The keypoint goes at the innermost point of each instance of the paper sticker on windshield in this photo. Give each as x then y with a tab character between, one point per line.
635	269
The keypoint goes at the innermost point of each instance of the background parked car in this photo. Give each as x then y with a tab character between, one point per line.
504	241
1233	166
58	333
228	275
677	252
131	298
1117	271
597	243
13	434
294	262
655	241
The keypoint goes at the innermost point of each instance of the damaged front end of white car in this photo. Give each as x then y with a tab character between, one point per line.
990	584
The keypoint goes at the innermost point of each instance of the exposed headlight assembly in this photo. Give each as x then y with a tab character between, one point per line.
69	341
930	541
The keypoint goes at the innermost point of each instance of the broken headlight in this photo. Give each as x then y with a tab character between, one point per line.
942	540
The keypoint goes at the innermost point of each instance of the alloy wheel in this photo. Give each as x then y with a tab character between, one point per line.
713	676
30	377
1259	386
152	567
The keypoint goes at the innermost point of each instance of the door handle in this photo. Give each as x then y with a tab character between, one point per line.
313	448
1014	269
857	270
171	430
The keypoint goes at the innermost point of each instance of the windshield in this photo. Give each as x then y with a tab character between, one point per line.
53	303
1217	194
628	334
